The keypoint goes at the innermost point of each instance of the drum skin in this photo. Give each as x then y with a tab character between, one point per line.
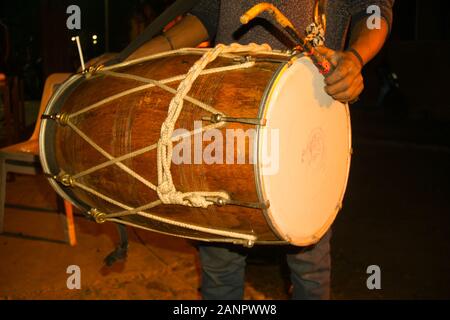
134	121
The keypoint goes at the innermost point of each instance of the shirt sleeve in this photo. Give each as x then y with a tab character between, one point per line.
207	11
358	9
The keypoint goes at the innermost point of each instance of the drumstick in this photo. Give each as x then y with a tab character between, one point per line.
254	11
322	63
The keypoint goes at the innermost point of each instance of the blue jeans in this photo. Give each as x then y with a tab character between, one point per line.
223	271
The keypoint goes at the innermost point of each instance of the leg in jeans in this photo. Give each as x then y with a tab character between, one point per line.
223	271
310	270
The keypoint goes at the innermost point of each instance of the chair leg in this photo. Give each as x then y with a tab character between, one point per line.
70	223
7	112
66	208
2	192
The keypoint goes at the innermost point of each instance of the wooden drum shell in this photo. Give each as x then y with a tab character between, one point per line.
134	121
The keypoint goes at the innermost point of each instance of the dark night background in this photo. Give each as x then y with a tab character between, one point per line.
396	212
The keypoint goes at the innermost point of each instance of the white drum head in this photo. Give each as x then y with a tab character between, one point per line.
306	181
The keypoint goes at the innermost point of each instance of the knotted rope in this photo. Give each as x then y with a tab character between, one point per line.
166	190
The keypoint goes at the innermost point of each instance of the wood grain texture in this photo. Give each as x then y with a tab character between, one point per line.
133	122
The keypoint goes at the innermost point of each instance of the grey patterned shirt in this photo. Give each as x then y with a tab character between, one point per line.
221	19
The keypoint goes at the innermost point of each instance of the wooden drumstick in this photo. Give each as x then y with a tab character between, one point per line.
321	62
254	11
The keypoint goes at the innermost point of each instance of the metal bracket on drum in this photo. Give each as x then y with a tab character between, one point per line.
92	69
65	179
60	118
249	244
244	59
98	216
254	205
215	118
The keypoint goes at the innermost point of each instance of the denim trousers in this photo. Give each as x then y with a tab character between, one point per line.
223	271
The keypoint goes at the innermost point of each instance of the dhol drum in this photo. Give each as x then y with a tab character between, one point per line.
235	144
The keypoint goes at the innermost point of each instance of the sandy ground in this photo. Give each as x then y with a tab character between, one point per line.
35	256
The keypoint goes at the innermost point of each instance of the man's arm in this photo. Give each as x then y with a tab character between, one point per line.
346	83
188	32
368	42
193	29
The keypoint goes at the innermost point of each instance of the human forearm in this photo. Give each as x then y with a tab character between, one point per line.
189	32
368	42
345	83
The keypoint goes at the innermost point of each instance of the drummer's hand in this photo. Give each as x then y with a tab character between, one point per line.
345	83
98	60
